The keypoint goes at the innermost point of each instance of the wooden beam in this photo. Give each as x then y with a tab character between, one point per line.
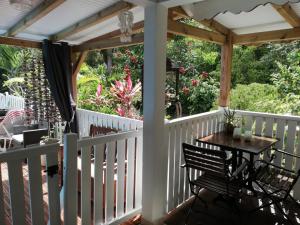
226	64
76	68
269	36
215	26
177	13
194	32
20	43
99	17
288	14
137	28
33	16
110	43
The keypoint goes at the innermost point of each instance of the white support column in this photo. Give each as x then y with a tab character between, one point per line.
154	155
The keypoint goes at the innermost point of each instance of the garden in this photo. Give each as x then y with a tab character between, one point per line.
265	78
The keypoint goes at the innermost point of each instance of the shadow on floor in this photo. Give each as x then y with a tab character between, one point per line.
221	213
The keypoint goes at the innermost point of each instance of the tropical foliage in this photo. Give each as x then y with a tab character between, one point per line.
264	78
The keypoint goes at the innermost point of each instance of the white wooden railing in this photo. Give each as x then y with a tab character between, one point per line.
11	102
185	130
86	118
112	180
285	128
12	165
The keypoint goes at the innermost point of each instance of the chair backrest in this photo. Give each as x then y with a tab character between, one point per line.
205	159
12	117
99	130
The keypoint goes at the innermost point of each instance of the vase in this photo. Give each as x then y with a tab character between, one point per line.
228	127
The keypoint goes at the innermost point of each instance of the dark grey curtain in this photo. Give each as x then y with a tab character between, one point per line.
57	61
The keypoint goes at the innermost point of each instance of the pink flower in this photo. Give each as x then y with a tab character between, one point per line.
121	111
133	59
129	82
99	90
194	82
204	74
181	70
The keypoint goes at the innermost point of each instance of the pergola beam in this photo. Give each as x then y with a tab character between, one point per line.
288	14
215	26
20	42
195	32
137	28
33	16
110	43
93	20
269	36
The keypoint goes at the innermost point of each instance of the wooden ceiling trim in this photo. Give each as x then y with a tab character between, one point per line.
110	43
269	36
288	14
137	28
194	32
93	20
215	26
20	42
33	16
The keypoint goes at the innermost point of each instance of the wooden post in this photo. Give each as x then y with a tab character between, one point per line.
226	63
155	156
77	62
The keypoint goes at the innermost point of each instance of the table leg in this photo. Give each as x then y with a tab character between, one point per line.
234	160
251	172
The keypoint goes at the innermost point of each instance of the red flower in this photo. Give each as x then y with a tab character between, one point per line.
194	82
204	74
127	70
133	59
181	70
185	90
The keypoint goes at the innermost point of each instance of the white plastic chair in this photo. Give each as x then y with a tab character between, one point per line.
13	117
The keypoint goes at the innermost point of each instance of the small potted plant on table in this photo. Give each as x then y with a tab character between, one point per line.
230	121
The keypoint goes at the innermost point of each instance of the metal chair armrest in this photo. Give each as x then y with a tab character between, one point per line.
183	166
286	153
276	166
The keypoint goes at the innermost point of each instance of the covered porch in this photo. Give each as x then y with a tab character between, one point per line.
152	182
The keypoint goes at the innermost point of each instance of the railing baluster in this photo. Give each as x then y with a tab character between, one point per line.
35	190
290	144
53	189
86	185
130	173
16	191
2	212
139	171
171	140
98	183
120	177
109	187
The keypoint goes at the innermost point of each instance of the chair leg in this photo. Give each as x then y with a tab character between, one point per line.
283	213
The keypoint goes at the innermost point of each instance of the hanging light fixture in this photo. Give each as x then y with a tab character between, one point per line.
125	24
21	4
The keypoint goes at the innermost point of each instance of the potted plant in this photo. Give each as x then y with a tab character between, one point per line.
230	121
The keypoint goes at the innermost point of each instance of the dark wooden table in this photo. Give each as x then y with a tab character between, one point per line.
238	147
